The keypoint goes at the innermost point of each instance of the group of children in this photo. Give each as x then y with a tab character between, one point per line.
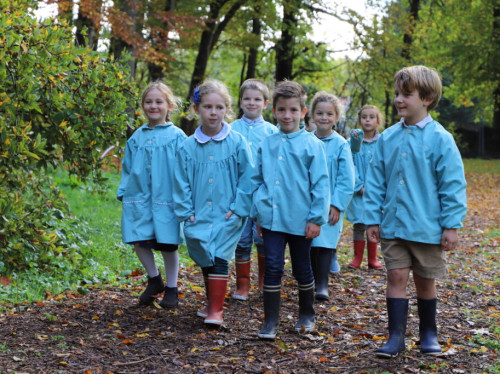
229	186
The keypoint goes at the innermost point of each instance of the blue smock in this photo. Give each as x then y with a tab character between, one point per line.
290	183
212	178
146	185
361	159
254	131
415	184
341	179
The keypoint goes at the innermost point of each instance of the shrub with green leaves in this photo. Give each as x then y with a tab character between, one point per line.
60	105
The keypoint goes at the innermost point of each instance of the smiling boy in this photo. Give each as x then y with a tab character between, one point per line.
290	204
414	202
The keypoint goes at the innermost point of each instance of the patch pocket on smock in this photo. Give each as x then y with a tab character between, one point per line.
134	210
164	212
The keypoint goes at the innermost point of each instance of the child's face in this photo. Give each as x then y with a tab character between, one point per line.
288	113
324	116
411	106
252	103
368	120
212	109
156	107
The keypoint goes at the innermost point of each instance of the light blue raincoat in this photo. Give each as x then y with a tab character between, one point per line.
212	178
290	183
254	131
415	184
341	178
362	159
146	185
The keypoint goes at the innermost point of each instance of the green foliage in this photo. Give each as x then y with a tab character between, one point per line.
59	106
477	165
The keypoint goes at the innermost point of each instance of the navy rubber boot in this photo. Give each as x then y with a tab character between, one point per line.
428	329
272	303
307	315
397	311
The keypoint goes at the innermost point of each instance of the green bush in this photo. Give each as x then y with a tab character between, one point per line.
60	106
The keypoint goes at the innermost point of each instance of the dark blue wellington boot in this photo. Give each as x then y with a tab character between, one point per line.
397	311
272	303
307	315
428	330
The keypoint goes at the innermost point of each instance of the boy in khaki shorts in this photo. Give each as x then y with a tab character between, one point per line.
414	202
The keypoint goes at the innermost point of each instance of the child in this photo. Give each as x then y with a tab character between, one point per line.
290	204
146	185
326	110
414	202
369	119
254	99
212	192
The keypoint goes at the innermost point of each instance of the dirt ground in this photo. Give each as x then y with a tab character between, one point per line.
106	331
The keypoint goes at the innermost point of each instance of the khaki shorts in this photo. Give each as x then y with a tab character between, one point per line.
426	260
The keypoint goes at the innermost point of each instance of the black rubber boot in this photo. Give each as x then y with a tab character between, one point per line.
428	329
323	262
155	286
306	308
397	311
170	298
272	302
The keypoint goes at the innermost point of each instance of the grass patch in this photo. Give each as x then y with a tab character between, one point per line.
101	258
478	165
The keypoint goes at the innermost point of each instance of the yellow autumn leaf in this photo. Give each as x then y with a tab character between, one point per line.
197	289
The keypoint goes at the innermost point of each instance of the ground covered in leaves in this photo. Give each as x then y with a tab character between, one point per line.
106	331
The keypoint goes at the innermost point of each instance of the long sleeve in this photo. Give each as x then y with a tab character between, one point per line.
243	199
183	199
343	186
126	168
375	187
319	188
451	186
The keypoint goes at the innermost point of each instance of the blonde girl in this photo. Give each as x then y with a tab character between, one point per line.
146	186
369	119
326	110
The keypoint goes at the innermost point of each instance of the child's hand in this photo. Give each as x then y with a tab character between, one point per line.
361	191
191	219
449	239
357	136
259	230
334	216
373	233
229	214
312	230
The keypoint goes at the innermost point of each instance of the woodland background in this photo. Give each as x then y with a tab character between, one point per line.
69	90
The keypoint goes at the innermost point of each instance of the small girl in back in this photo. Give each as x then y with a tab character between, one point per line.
212	192
325	112
369	119
148	220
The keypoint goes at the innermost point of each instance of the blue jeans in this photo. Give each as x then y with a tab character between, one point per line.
300	254
248	237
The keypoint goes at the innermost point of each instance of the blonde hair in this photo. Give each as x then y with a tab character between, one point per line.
166	91
208	87
421	78
255	84
288	90
378	113
325	97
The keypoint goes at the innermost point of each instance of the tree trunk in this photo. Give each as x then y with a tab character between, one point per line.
496	78
408	36
286	44
84	20
254	52
209	38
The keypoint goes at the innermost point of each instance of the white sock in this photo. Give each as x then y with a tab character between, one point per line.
147	259
171	261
